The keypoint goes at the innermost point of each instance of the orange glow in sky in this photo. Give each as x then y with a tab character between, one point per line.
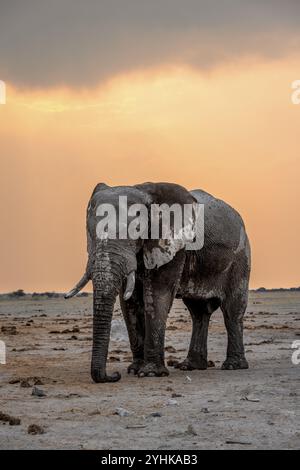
232	131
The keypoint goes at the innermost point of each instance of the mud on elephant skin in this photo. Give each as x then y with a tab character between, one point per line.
147	275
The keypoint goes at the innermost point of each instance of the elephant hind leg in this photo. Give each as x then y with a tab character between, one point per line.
200	310
233	308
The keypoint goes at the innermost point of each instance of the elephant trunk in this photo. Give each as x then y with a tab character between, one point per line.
103	311
107	268
108	273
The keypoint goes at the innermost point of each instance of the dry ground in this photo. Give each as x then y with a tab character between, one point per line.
255	408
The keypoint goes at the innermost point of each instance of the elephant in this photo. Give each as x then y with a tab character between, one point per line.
148	274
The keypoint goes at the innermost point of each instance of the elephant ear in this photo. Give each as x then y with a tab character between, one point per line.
99	187
160	251
91	206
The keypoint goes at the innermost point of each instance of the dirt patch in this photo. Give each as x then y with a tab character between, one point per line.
5	418
255	408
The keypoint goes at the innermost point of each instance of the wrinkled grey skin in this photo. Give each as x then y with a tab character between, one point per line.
215	276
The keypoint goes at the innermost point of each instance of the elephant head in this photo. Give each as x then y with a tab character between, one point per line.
112	261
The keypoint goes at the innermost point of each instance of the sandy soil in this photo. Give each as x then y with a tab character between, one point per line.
255	408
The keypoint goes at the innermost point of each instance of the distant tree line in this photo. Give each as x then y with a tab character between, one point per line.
19	293
277	289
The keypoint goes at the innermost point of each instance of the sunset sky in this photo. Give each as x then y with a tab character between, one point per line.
193	92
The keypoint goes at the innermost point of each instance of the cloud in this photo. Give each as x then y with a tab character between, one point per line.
82	42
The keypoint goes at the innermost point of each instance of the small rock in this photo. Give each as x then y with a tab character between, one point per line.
69	395
9	419
75	329
95	412
24	383
37	392
35	429
191	430
171	402
170	349
118	351
37	381
122	412
14	421
172	362
254	400
113	359
155	414
188	379
14	381
9	330
204	410
176	395
239	442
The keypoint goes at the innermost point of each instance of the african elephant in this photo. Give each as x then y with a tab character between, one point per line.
148	274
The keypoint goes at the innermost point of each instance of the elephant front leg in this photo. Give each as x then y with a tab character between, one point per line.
160	287
133	312
154	360
156	311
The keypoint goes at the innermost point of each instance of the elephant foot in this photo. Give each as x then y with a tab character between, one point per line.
135	366
153	370
98	377
233	363
190	364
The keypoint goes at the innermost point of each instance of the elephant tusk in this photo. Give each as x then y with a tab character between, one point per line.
83	281
129	286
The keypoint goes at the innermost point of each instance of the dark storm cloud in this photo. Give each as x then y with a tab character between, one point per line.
81	42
